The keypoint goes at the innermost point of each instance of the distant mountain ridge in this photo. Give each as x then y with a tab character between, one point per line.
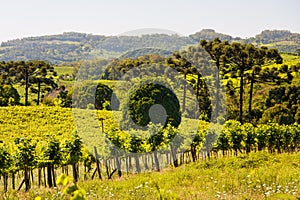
210	34
73	46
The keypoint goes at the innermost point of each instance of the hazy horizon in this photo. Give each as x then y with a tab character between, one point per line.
243	19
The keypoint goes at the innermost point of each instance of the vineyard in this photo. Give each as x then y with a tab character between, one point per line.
39	143
211	117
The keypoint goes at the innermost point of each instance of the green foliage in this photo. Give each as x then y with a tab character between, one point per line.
6	160
85	93
251	138
69	150
246	64
90	69
277	114
146	51
122	69
223	141
103	96
65	98
72	46
36	75
269	36
209	34
53	152
148	95
26	154
237	136
289	95
73	149
282	105
216	50
297	116
35	122
66	48
9	96
70	191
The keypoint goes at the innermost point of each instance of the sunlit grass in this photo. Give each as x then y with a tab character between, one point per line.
254	176
63	70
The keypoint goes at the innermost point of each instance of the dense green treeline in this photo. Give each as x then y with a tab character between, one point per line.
36	76
241	71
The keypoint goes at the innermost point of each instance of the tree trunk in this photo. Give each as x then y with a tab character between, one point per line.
241	97
32	177
85	171
13	181
207	152
250	97
107	168
45	182
193	152
278	147
49	176
259	148
39	176
217	93
235	152
198	86
248	149
26	85
53	175
5	181
75	174
67	170
27	179
197	95
184	94
38	92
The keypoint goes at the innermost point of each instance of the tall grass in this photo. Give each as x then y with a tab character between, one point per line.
255	176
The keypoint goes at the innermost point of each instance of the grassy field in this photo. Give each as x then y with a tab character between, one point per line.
288	60
62	70
254	176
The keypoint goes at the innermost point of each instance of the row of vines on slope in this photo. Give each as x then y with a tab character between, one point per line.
33	155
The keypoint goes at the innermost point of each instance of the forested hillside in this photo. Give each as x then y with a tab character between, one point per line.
72	46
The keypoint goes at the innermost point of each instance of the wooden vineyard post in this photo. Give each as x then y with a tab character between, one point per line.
97	163
102	124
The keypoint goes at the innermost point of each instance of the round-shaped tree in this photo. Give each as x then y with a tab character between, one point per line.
153	102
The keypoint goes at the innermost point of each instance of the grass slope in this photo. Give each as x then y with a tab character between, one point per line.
254	176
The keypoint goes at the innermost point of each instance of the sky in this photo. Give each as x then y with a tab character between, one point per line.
23	18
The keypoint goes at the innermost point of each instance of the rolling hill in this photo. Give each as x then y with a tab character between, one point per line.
72	46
